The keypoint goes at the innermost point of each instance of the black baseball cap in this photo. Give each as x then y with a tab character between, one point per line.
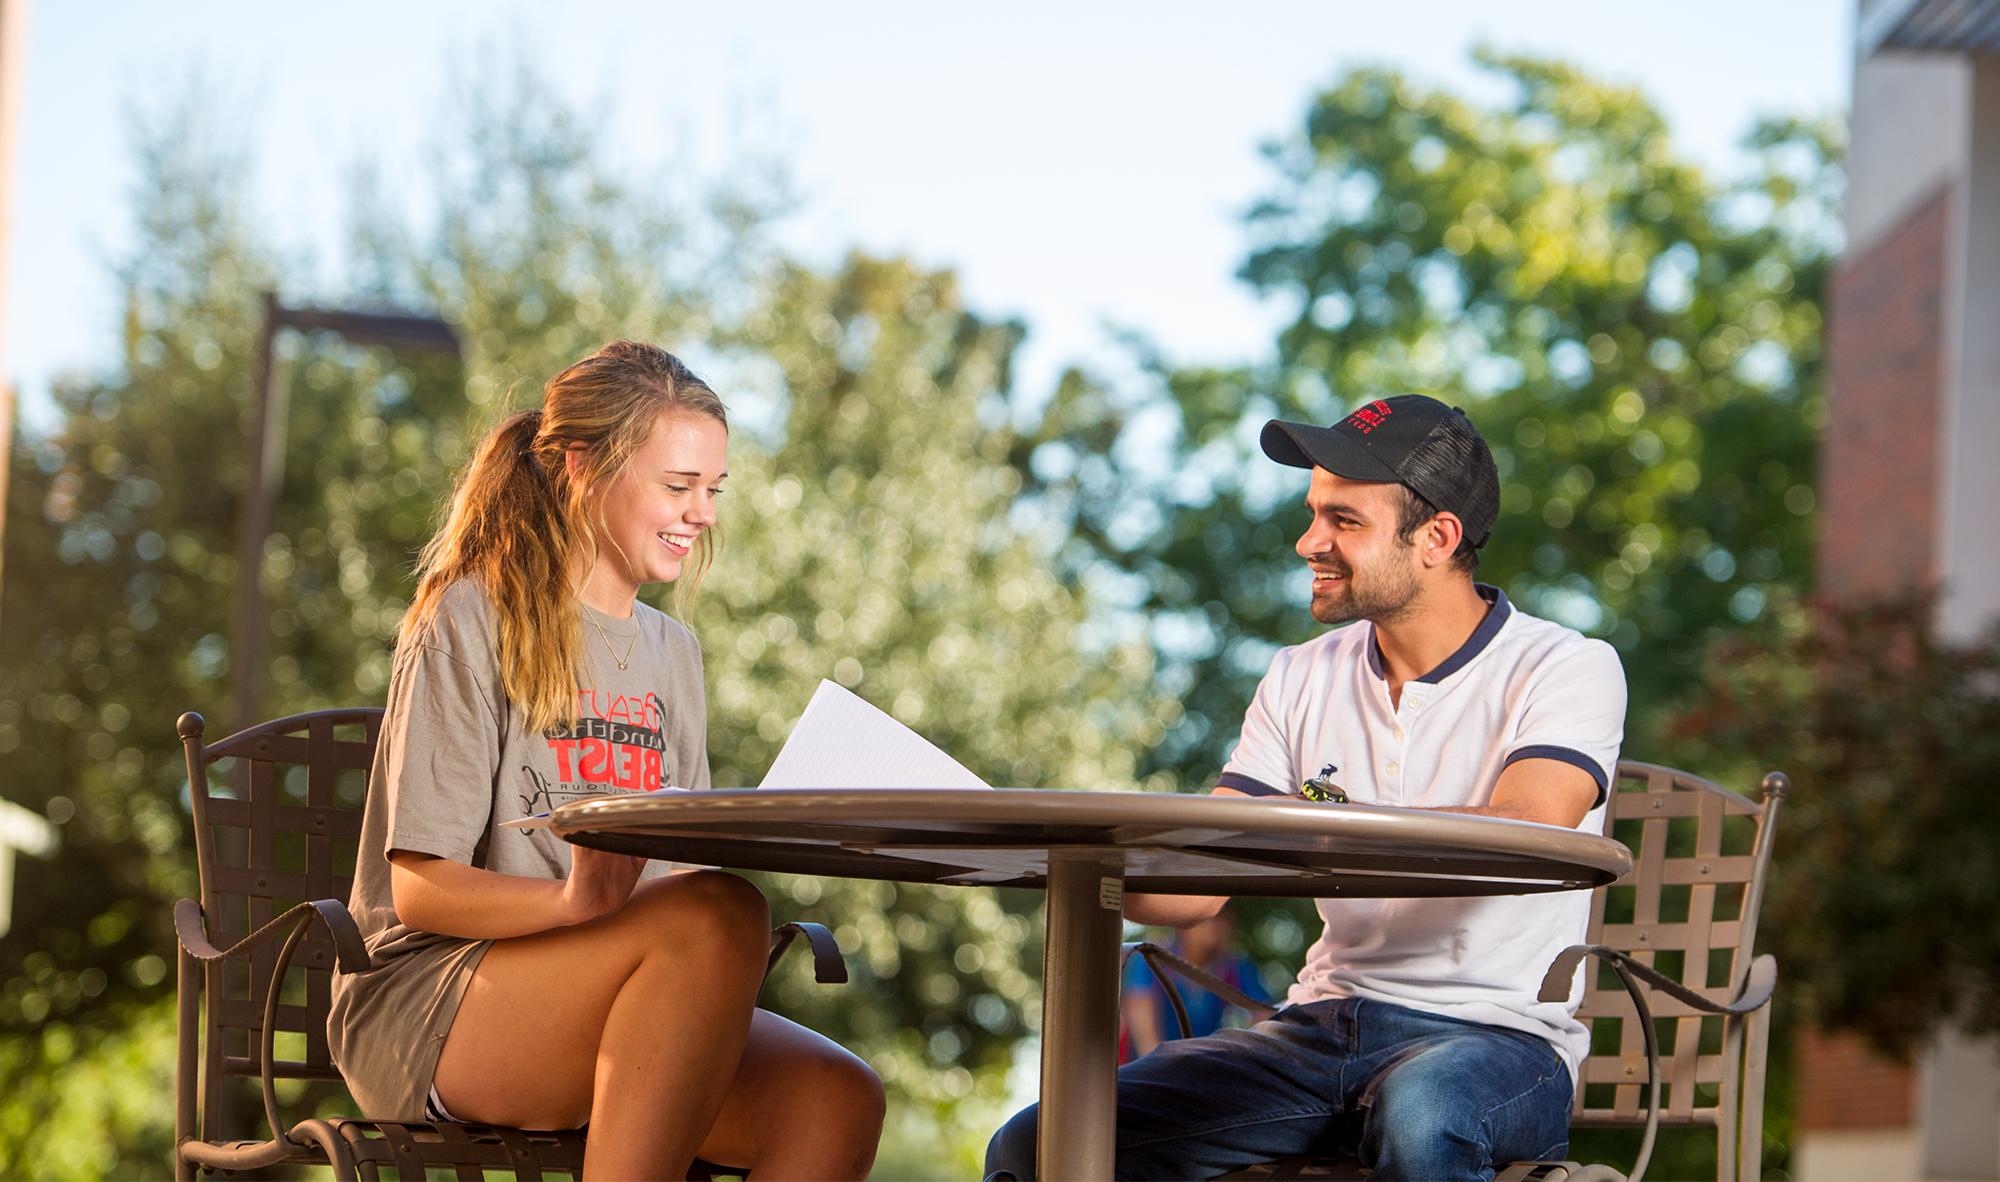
1412	440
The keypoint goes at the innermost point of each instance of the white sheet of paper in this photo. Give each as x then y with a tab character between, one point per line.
842	741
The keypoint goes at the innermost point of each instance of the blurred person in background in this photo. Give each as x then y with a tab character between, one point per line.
516	979
1145	1015
1414	1039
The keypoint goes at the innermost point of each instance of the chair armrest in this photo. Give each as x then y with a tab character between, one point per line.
1158	958
1557	983
1756	993
350	954
829	968
1757	988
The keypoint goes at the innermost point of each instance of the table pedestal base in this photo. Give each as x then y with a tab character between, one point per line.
1080	1018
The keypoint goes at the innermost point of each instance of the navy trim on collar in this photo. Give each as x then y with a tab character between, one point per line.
1496	616
1481	636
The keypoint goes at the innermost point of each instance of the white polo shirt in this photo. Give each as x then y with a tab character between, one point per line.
1519	688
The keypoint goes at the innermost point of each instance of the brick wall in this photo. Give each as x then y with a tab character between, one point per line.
1845	1085
1878	536
1878	479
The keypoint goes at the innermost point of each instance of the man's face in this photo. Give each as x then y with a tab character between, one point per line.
1361	570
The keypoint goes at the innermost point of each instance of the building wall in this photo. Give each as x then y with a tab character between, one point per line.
1878	488
1968	554
1908	491
1909	134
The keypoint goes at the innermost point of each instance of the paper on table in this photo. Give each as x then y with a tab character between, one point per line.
841	741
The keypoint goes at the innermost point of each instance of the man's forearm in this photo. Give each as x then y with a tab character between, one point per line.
1172	911
1177	911
1505	812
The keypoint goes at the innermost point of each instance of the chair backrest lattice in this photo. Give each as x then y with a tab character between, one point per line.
1688	909
277	813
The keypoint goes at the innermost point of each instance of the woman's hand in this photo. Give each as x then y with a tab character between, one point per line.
598	882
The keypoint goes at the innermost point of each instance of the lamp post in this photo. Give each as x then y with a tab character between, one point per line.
26	832
13	22
396	330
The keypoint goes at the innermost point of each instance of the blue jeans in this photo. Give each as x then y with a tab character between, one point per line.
1412	1095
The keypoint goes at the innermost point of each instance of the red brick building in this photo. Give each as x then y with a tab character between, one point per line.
1910	490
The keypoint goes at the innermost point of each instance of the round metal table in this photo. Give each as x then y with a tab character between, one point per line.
1086	849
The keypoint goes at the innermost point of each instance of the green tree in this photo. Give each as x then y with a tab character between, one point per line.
1887	873
115	593
1639	342
872	540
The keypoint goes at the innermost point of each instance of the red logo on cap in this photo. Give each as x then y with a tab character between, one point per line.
1370	417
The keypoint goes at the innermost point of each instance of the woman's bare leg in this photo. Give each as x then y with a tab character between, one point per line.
800	1106
626	1022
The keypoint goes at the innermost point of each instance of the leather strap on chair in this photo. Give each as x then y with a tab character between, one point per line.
828	966
1623	966
1556	986
349	953
1143	949
1158	958
1757	988
1557	1171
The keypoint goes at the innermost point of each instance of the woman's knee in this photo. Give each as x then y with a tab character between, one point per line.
704	911
867	1097
843	1088
862	1103
725	894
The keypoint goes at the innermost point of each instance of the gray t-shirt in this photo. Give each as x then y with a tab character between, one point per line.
453	763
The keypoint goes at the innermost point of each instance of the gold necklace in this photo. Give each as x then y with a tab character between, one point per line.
621	661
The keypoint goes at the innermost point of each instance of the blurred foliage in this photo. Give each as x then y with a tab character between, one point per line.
873	546
1640	344
113	1116
1077	591
1888	860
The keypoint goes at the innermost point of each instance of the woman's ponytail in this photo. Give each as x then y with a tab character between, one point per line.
517	522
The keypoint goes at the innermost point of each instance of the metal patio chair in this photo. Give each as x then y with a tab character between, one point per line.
276	852
1678	1009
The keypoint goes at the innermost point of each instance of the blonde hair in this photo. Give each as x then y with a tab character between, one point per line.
519	523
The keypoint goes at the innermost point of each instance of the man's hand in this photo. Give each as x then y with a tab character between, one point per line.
1177	911
1172	911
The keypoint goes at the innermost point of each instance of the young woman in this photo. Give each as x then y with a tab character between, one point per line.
519	980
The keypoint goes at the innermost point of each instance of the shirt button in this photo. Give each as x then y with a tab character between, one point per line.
1393	768
1399	732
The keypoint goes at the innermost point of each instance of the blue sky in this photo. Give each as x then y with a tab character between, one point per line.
1078	164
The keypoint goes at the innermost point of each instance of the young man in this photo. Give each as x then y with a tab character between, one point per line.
1413	1038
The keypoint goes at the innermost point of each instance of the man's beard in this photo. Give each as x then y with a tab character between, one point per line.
1381	592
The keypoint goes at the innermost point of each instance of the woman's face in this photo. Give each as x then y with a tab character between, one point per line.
650	516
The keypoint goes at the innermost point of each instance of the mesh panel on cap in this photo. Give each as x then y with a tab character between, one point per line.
1453	470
